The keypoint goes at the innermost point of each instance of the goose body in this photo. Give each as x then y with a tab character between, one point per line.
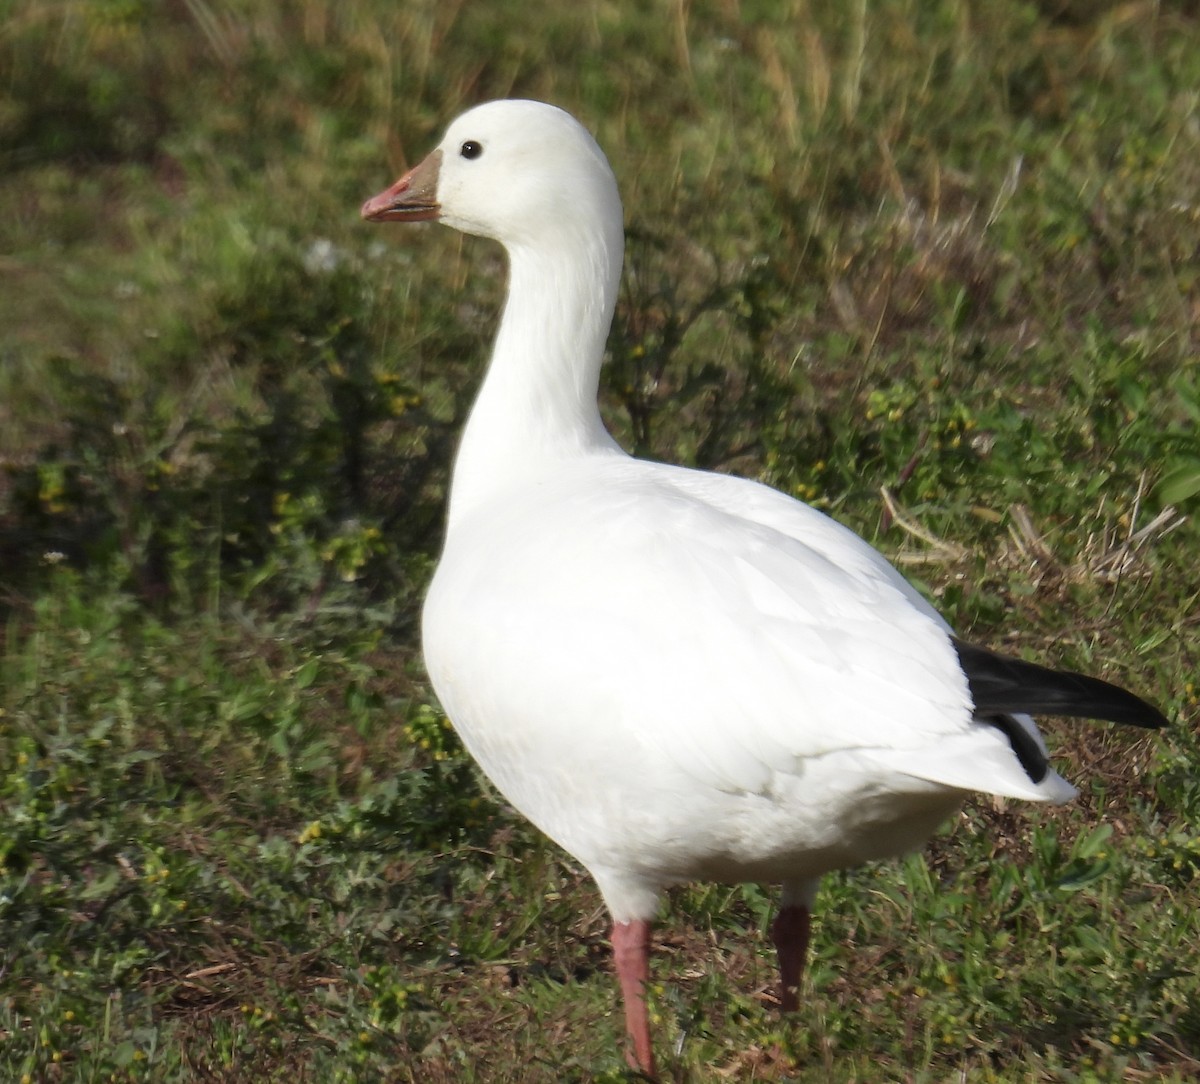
674	674
765	698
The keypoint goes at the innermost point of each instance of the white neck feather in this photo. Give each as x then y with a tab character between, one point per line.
538	405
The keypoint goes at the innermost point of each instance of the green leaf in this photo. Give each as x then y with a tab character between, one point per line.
1094	843
1181	483
306	674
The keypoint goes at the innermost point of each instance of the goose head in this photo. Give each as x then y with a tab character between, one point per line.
519	172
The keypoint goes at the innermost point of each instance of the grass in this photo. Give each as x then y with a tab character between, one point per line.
930	266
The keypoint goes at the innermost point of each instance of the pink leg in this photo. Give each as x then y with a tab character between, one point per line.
631	953
790	934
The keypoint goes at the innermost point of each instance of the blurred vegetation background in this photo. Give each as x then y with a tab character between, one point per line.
931	266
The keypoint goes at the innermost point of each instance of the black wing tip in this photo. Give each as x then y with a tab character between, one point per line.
1001	683
1153	719
1029	755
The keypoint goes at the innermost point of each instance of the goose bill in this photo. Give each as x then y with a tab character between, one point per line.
413	198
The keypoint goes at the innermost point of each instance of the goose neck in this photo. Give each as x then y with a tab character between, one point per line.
538	402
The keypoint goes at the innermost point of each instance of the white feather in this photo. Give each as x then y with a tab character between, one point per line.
676	675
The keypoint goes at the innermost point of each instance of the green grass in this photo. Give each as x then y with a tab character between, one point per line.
942	249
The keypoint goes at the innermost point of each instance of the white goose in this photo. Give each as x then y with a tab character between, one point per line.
679	675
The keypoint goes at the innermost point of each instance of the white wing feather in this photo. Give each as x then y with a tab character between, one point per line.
730	632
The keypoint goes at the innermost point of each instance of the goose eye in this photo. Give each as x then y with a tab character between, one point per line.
471	149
